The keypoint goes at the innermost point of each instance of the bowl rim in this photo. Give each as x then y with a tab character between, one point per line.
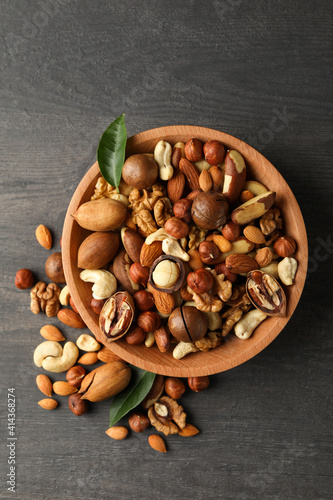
143	357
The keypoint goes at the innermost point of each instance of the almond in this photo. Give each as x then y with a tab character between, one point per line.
44	237
70	318
254	234
190	173
106	356
205	181
264	256
44	384
164	302
157	443
48	404
50	332
90	358
195	261
149	253
217	177
222	242
176	186
63	388
240	263
188	431
117	432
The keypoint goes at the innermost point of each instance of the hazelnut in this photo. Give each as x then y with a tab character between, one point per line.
143	300
97	305
214	152
174	387
231	231
194	150
209	210
77	405
139	274
138	422
222	269
177	228
193	194
187	324
24	279
75	376
149	321
165	274
155	392
217	177
162	339
285	246
53	268
135	336
140	171
198	384
182	209
209	252
200	281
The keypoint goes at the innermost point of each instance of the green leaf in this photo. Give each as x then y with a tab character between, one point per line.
111	151
138	388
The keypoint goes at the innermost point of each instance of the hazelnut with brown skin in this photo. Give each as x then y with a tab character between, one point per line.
135	336
200	281
53	268
75	375
209	210
222	269
143	300
198	384
138	422
77	405
97	305
149	321
177	228
24	279
231	231
140	171
187	324
194	150
182	209
214	152
174	387
209	252
139	274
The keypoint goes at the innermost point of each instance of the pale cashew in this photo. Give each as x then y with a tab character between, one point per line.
64	296
287	269
248	323
158	235
120	197
162	156
184	348
202	165
190	303
64	362
214	320
87	343
150	339
170	246
48	348
105	284
271	269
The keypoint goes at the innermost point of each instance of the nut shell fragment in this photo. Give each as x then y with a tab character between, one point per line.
116	316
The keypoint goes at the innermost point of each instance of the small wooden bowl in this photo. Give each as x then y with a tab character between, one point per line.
233	351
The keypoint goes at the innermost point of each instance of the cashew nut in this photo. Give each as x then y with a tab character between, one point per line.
120	197
48	348
158	235
287	269
87	343
150	339
162	156
214	320
105	284
64	296
202	165
170	246
271	269
248	323
64	362
184	348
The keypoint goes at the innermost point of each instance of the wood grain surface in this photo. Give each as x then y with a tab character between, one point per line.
259	71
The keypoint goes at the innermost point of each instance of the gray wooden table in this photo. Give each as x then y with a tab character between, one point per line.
261	71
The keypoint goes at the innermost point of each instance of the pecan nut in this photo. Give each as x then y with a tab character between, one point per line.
266	293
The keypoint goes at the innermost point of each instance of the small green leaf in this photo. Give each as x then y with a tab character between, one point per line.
138	388
111	151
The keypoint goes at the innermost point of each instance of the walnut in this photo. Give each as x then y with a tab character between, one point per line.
162	211
145	222
222	287
239	297
167	416
231	316
104	190
270	221
210	341
206	301
45	298
273	237
196	236
146	200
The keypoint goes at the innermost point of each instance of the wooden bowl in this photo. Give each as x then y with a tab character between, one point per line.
233	351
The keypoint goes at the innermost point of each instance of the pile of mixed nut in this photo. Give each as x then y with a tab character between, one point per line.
187	251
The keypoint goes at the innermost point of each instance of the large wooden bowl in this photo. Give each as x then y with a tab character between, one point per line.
234	351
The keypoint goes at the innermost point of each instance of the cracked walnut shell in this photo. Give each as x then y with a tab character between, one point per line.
167	416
